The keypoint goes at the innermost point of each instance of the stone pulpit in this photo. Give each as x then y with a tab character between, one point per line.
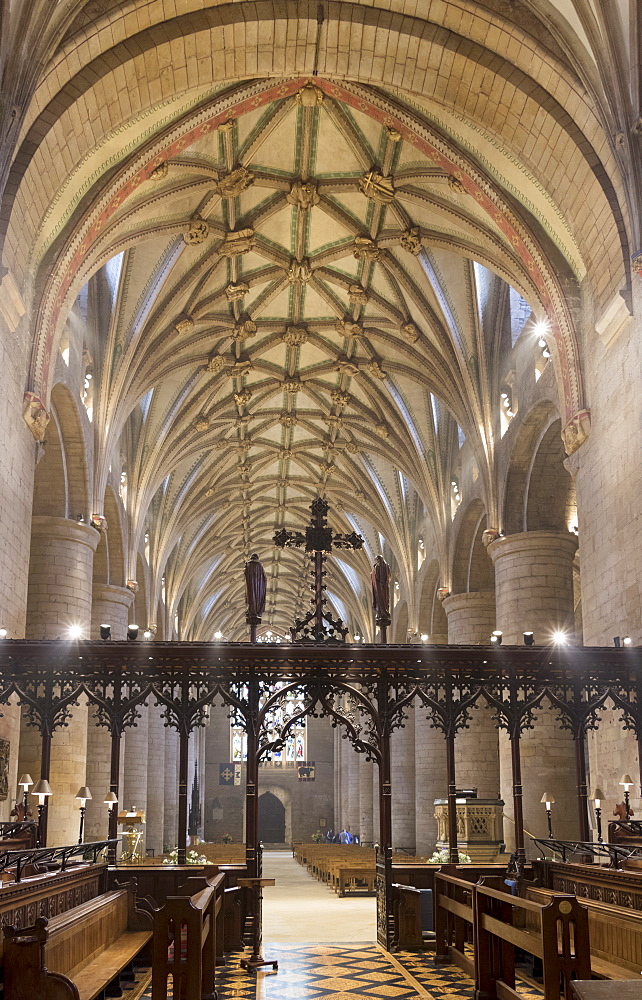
479	827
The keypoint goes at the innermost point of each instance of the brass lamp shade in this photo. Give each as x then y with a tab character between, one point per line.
111	799
598	795
626	780
547	797
83	794
25	781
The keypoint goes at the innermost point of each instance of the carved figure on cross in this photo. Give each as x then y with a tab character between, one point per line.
319	539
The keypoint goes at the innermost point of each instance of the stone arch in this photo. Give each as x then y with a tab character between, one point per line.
550	497
472	568
518	475
284	797
61	482
140	600
401	622
50	479
116	548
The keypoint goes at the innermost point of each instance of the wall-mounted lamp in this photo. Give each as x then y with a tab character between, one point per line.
148	634
3	633
547	800
75	632
529	639
132	633
496	637
105	632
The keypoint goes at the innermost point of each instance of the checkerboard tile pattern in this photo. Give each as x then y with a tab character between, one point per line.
448	982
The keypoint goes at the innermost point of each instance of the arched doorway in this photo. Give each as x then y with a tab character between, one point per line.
271	819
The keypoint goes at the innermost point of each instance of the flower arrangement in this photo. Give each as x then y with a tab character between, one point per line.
442	858
226	838
318	837
191	858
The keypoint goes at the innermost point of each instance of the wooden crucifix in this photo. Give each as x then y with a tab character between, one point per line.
319	539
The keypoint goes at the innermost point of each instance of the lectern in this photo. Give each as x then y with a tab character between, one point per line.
256	960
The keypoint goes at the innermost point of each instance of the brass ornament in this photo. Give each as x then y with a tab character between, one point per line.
455	184
374	368
340	398
184	323
217	364
292	386
245	328
201	424
243	396
382	431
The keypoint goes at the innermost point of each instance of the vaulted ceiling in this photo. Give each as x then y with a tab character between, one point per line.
316	328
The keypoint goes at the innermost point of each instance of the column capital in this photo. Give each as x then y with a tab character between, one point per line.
528	543
471	600
65	530
109	593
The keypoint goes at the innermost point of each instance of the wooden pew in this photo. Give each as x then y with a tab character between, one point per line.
79	954
186	930
555	931
615	935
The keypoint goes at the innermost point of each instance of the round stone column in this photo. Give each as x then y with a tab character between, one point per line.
402	753
534	591
110	606
430	781
59	596
366	828
471	620
352	809
134	784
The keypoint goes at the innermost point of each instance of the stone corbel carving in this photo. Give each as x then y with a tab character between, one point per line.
299	270
365	249
295	335
443	593
576	431
243	396
99	522
636	262
133	586
245	328
184	324
382	431
303	194
455	184
236	292
375	370
409	332
309	96
377	187
357	295
159	173
198	231
35	415
411	240
346	366
346	328
237	242
488	536
235	183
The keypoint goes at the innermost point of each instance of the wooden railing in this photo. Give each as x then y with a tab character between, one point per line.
14	863
494	923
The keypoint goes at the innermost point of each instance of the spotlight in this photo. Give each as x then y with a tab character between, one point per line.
541	328
3	633
75	632
105	632
357	638
148	634
529	639
626	641
496	637
218	635
559	638
424	637
617	642
132	633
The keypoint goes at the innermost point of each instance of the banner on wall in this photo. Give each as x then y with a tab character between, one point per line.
305	770
229	774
